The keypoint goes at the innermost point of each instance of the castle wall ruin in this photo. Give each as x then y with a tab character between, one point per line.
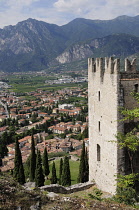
108	89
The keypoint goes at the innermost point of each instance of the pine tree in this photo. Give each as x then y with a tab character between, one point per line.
66	177
32	160
60	170
18	173
82	166
39	177
45	162
54	177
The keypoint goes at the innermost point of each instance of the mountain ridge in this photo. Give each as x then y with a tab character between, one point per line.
35	45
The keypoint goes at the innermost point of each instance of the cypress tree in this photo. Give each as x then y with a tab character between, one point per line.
39	177
21	174
46	127
0	161
45	162
86	178
18	173
60	170
54	177
85	132
82	167
32	160
3	149
27	167
66	177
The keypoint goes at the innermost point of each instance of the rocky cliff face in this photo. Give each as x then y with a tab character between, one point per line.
75	53
113	45
17	44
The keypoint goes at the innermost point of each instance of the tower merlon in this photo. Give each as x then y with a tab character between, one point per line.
130	66
91	65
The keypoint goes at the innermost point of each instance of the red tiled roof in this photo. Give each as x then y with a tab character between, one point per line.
3	128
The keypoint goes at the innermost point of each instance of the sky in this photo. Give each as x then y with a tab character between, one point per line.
61	12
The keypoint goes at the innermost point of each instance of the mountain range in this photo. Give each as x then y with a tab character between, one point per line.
33	45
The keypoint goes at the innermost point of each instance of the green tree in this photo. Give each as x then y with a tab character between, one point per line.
18	173
126	192
62	118
87	167
4	137
0	161
82	166
46	127
85	133
39	177
3	148
60	170
66	176
34	117
32	160
27	168
126	184
129	142
45	162
54	177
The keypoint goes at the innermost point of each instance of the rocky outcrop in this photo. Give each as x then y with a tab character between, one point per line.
75	53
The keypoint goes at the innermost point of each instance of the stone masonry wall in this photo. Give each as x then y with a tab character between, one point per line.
67	190
108	89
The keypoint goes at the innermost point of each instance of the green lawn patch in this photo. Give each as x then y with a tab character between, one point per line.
74	170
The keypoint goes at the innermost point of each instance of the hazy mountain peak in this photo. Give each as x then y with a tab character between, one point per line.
123	17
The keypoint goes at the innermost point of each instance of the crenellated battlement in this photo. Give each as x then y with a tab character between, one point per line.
112	66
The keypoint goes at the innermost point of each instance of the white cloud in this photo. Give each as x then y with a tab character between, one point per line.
14	11
71	5
19	3
102	9
62	11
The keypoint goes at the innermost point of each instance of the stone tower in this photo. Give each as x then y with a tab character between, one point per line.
108	89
